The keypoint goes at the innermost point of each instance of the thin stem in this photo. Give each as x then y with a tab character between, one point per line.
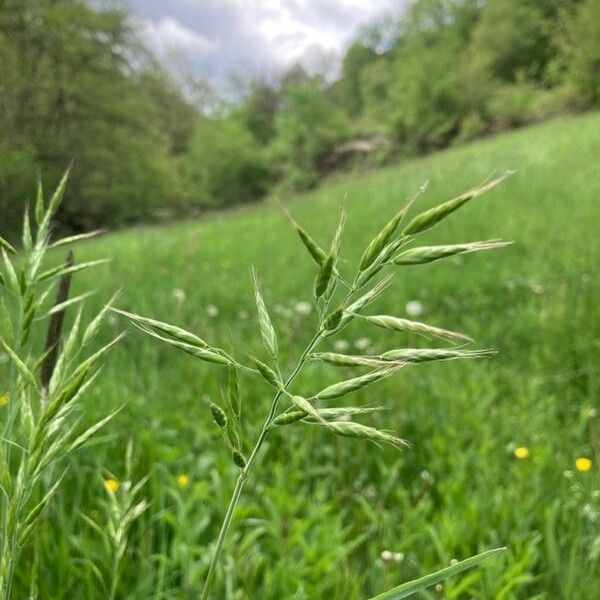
242	477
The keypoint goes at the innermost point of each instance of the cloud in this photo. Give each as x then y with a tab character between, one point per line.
250	38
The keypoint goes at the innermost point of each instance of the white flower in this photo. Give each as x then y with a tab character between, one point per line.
112	320
362	343
341	345
212	310
398	556
242	315
303	308
414	308
386	555
178	296
3	358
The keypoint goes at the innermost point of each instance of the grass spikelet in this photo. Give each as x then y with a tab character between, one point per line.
267	373
307	408
333	320
293	416
380	241
233	392
397	324
238	459
266	327
176	332
356	430
209	355
351	385
431	217
218	415
324	276
427	254
345	360
418	355
313	248
361	303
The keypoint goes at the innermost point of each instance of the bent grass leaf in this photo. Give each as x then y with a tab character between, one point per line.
61	270
412	587
76	238
20	365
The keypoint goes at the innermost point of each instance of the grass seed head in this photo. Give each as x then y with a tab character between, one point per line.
418	355
238	459
351	385
218	414
427	254
267	373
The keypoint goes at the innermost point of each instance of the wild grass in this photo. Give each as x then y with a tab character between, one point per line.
345	519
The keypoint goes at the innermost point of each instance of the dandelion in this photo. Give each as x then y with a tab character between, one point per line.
112	485
4	399
414	308
182	480
212	311
362	343
341	345
303	308
178	296
521	452
583	464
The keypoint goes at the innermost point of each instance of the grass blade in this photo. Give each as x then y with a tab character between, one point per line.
412	587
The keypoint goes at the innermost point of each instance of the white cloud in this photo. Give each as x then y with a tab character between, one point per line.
250	38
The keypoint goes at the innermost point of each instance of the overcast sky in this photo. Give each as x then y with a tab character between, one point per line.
218	38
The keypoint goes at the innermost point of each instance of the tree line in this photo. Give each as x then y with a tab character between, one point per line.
78	85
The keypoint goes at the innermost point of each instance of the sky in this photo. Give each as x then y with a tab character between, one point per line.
217	39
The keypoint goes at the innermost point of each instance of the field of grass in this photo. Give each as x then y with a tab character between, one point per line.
318	513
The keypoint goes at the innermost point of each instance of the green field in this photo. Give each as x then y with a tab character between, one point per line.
319	511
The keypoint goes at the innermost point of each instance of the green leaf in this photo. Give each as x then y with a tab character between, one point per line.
412	587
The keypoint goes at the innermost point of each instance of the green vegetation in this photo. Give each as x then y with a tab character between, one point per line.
495	442
78	84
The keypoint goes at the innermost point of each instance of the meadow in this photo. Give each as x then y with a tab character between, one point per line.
325	517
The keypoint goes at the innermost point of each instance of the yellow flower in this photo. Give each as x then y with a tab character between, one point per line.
522	452
583	464
4	399
112	485
182	480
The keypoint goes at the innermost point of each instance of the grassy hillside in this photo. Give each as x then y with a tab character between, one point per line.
317	521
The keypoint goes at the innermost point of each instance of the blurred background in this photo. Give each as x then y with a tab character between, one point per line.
183	120
170	109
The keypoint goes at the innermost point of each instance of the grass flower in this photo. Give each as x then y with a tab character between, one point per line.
583	464
112	485
522	452
414	308
212	310
303	308
183	480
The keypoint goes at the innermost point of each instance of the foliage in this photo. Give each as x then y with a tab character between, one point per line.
337	301
44	383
